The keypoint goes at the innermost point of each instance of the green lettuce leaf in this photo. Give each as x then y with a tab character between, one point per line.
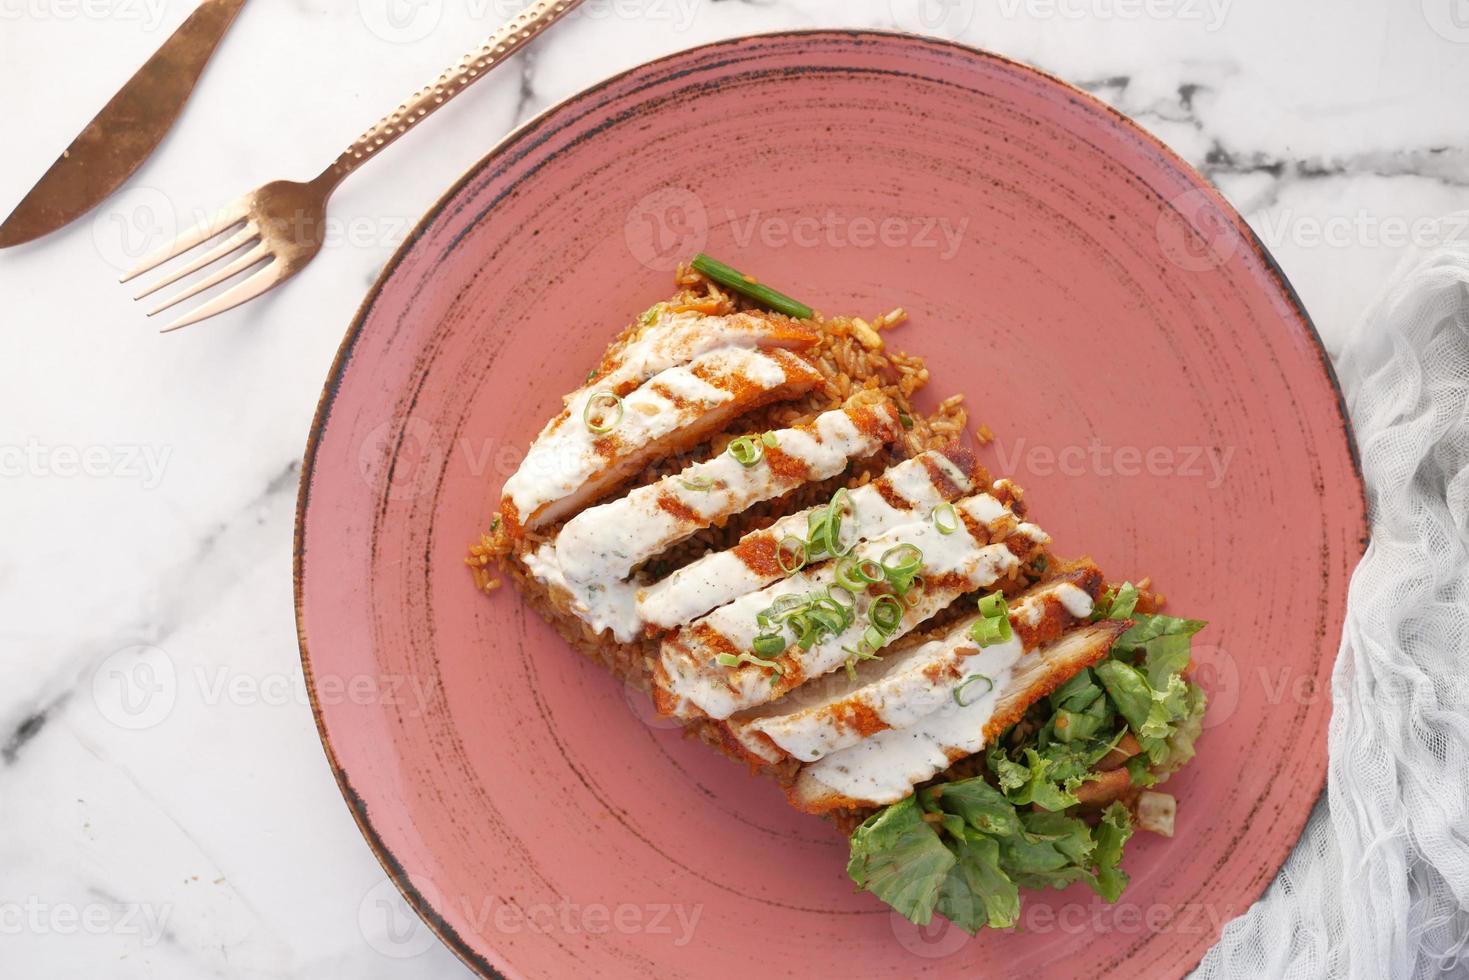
977	892
985	840
1111	833
1032	781
1163	641
1129	690
900	858
979	805
1117	603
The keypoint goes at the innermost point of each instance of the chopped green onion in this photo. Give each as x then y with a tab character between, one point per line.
905	420
824	526
849	606
993	605
994	627
731	660
886	614
591	376
900	566
902	559
847	577
945	518
988	632
768	645
972	678
855	657
811	617
603	412
745	285
746	451
798	561
696	483
770	439
875	638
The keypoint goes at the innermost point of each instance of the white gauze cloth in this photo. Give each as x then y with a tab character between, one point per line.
1378	886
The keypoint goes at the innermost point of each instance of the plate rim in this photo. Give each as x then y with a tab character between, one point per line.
356	805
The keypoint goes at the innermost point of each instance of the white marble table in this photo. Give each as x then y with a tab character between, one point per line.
179	819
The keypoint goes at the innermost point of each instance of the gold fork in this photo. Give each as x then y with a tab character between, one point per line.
285	220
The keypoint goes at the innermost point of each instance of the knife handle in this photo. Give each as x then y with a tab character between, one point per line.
480	62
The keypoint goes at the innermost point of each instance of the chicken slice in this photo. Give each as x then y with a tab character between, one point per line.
689	681
570	465
906	491
907	685
666	339
594	552
885	767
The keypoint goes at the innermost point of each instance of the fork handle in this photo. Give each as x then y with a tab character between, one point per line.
496	48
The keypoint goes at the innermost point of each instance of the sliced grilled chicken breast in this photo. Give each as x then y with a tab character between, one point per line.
884	767
594	552
570	465
908	684
907	491
667	338
689	681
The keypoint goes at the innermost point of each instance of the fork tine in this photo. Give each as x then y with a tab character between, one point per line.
244	236
250	258
233	214
272	275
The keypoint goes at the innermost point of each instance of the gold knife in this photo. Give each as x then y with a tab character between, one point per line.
125	132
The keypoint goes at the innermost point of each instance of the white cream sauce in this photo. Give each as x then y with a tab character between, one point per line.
608	541
914	685
899	690
564	458
672	339
722	577
610	605
884	767
592	556
1078	602
719	692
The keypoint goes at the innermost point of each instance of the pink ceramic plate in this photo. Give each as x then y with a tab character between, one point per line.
1150	376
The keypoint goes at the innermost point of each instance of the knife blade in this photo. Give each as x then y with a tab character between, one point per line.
126	131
